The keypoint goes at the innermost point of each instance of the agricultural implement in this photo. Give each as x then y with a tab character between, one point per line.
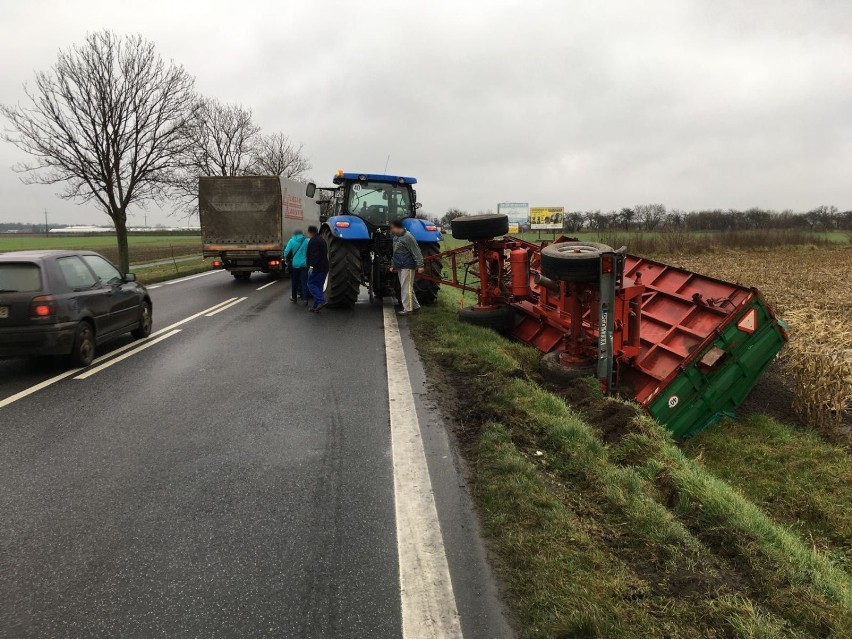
686	347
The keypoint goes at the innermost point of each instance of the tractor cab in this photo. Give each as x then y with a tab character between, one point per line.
376	199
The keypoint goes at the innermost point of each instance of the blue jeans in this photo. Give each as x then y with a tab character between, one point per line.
299	283
316	282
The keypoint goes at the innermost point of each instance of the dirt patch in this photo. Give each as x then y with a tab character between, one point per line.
773	396
610	418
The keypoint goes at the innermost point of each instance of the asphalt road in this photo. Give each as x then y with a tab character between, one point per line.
234	479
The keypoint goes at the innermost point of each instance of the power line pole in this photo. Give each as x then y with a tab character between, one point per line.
45	224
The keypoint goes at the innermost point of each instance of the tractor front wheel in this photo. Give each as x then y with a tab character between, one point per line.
344	272
427	290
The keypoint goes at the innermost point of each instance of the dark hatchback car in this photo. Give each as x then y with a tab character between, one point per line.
66	303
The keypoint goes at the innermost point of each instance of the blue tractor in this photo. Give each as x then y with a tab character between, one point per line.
355	217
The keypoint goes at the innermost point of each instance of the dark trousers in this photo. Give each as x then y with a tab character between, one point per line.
299	283
316	283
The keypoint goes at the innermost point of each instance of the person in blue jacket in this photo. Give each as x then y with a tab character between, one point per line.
295	255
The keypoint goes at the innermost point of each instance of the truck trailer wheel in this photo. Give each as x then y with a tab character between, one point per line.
553	371
426	290
573	261
344	272
480	227
500	319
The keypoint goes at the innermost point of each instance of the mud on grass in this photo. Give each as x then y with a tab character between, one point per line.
601	526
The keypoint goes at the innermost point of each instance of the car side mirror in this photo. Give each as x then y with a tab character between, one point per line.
130	277
311	189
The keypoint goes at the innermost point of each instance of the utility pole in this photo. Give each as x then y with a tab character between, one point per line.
45	224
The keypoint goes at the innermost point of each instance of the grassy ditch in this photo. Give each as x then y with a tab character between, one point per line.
602	526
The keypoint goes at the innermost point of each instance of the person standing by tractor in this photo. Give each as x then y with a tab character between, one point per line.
406	259
296	256
317	263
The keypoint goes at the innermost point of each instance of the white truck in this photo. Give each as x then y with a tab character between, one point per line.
247	220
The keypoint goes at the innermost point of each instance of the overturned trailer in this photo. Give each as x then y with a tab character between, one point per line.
686	347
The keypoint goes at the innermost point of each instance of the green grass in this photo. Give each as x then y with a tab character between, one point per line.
143	248
169	271
630	539
792	474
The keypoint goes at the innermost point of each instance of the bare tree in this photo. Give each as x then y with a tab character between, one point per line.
650	215
109	121
275	154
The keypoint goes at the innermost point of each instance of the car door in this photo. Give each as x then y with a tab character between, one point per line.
88	296
124	297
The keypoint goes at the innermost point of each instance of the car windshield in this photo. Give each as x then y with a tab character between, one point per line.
379	202
19	277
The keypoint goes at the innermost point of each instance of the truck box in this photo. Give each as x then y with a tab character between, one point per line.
247	220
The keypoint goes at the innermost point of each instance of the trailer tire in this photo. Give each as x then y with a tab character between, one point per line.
427	290
573	261
480	227
500	319
344	272
553	371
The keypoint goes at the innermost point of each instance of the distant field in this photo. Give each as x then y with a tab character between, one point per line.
143	248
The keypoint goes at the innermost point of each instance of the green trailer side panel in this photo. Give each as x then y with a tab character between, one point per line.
701	394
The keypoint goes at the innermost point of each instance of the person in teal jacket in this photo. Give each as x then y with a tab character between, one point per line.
296	257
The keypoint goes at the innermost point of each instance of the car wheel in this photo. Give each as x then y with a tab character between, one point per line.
83	351
146	320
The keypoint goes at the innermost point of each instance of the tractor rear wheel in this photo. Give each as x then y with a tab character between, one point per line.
500	318
573	261
426	290
344	272
480	227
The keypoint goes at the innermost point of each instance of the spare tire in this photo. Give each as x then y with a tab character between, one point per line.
480	227
573	261
500	318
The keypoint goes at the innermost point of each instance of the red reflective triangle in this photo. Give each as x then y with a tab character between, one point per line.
748	322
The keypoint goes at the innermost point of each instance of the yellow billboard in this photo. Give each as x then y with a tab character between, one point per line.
546	217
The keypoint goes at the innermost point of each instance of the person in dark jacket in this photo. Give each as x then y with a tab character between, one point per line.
317	261
407	258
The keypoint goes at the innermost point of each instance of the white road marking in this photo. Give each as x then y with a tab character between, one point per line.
183	279
426	591
58	378
97	369
226	307
260	288
192	317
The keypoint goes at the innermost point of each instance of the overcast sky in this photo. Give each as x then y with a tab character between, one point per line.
587	105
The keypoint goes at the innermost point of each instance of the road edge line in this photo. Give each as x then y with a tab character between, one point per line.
427	600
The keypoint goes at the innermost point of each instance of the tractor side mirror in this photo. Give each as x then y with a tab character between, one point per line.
311	189
418	206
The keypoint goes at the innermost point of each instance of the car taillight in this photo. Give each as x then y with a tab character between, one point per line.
42	306
342	225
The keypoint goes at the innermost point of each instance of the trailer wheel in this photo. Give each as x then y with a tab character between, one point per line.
480	227
344	272
426	290
554	371
500	319
573	261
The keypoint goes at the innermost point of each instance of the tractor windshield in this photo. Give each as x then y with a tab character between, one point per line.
379	202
